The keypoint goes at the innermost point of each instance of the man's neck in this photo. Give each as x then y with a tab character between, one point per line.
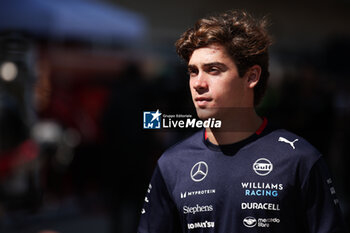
235	129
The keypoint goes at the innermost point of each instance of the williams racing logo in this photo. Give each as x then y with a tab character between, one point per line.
158	120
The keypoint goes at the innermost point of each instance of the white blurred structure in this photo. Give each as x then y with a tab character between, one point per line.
71	19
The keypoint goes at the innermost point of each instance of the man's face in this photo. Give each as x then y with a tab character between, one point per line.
215	83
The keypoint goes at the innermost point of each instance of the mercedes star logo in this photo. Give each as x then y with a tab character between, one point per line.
199	171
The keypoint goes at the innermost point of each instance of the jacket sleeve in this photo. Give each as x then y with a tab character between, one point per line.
159	213
323	214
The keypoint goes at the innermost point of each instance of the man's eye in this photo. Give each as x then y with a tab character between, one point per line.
214	71
192	72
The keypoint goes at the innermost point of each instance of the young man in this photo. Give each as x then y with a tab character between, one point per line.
245	176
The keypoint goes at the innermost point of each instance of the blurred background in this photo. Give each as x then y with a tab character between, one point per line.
76	75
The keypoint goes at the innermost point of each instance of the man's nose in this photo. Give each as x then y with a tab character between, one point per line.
200	82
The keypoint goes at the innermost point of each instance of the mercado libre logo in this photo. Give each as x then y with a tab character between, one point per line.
158	120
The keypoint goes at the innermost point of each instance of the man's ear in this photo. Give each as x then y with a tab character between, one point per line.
253	76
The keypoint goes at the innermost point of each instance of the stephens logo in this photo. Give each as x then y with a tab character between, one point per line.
249	222
262	167
197	209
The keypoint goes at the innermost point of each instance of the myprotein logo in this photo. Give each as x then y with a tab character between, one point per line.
197	209
262	167
197	192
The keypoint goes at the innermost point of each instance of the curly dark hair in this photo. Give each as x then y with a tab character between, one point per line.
245	38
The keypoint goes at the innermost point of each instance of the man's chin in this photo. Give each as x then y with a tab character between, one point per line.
206	113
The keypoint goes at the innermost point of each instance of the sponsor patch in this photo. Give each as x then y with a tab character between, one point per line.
262	167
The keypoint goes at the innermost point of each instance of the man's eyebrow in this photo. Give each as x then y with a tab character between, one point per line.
215	64
208	65
191	67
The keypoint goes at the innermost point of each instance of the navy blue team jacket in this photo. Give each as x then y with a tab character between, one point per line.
273	181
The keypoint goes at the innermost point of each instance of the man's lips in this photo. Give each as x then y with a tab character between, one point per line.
202	101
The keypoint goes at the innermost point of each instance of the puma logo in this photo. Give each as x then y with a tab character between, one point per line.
282	139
